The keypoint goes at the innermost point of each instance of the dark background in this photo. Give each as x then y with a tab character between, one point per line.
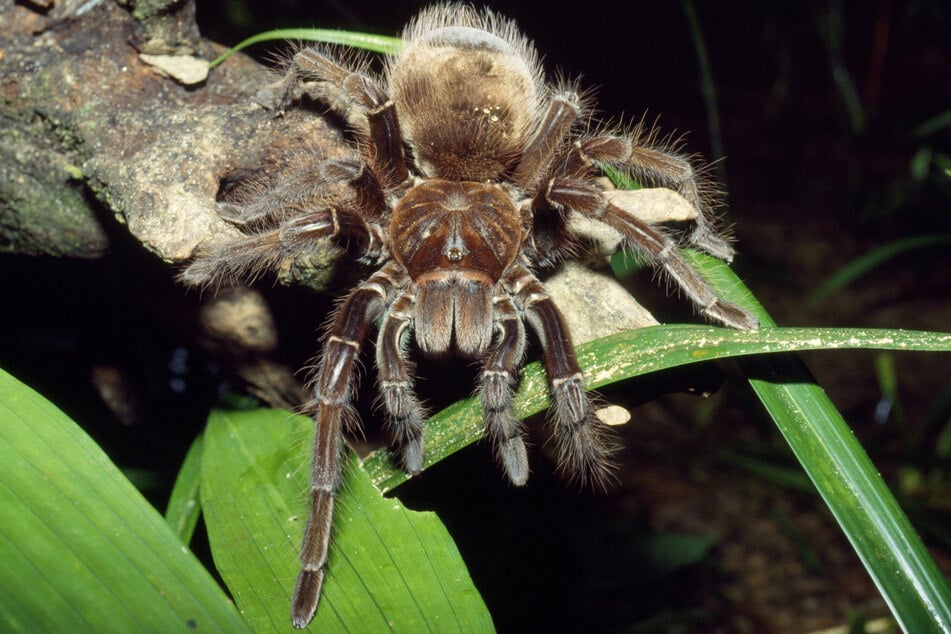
835	122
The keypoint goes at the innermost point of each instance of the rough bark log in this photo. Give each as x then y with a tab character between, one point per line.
98	145
94	135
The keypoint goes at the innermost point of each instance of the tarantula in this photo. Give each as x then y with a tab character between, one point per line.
470	167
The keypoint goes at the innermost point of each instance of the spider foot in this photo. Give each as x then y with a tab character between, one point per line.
514	458
731	315
306	597
411	455
586	452
506	431
708	242
585	445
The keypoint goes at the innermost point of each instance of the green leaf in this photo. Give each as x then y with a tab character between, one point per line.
366	41
184	505
893	554
82	550
642	351
389	568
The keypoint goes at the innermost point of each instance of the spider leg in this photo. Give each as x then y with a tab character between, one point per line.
562	112
385	154
588	200
311	188
675	172
583	442
498	391
267	250
582	157
405	414
303	201
332	387
246	259
369	196
656	165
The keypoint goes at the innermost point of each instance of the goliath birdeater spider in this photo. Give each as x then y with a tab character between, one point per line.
471	166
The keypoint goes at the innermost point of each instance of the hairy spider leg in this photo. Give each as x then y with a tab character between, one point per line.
332	394
587	199
498	383
249	257
367	190
309	189
656	165
665	169
384	153
584	444
650	162
404	413
563	111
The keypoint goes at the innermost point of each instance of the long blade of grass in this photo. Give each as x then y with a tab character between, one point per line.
82	550
874	258
896	559
367	41
389	569
633	353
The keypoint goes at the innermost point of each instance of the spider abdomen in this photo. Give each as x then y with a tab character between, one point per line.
466	99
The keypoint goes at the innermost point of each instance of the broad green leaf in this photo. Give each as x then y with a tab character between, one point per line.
389	568
184	506
82	550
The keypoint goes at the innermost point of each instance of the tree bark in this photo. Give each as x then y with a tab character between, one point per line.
97	145
94	136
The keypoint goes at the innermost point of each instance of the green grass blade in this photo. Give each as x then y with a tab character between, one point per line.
933	125
389	568
633	353
82	550
856	495
184	505
366	41
874	258
879	531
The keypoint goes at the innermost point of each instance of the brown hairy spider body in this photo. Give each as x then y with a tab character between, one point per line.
470	168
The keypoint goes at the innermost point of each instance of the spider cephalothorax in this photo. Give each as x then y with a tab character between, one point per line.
470	168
